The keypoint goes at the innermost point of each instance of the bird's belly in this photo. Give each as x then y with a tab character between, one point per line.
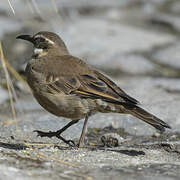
69	106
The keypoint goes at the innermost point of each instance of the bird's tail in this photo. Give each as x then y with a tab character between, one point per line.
147	117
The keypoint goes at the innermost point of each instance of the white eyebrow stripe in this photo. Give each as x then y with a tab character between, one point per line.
51	42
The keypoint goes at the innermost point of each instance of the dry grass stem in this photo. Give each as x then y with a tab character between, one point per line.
30	6
37	144
8	82
36	7
9	2
54	5
14	72
7	123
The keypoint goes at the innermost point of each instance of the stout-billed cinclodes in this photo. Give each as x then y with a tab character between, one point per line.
66	86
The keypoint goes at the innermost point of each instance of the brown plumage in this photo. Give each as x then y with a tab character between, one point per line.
66	86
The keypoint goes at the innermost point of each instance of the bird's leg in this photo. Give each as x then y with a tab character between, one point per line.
51	134
81	139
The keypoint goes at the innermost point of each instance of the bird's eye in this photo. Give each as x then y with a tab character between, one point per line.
40	43
39	40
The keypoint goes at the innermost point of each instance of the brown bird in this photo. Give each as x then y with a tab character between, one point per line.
66	86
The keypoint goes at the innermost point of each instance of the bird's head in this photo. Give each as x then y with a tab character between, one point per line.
45	43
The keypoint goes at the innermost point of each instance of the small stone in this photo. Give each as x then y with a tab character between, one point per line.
112	140
156	134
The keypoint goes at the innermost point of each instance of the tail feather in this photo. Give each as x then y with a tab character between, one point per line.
148	118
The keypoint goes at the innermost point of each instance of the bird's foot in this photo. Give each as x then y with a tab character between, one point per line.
51	134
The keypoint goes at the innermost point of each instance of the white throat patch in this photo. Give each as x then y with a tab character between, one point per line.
38	51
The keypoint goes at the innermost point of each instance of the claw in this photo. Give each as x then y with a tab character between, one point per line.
50	134
71	143
43	134
38	133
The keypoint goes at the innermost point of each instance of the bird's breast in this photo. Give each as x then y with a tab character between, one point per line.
35	78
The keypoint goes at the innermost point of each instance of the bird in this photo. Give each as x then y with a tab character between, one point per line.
66	86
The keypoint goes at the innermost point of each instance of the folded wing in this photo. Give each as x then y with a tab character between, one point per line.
89	86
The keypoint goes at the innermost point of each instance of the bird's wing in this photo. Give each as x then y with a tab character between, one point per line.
93	87
85	86
116	88
61	84
79	79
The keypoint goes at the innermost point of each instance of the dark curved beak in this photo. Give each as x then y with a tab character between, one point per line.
26	37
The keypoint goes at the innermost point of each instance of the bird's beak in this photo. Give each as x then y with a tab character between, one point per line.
26	37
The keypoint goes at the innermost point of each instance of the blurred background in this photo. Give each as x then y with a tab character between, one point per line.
135	42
